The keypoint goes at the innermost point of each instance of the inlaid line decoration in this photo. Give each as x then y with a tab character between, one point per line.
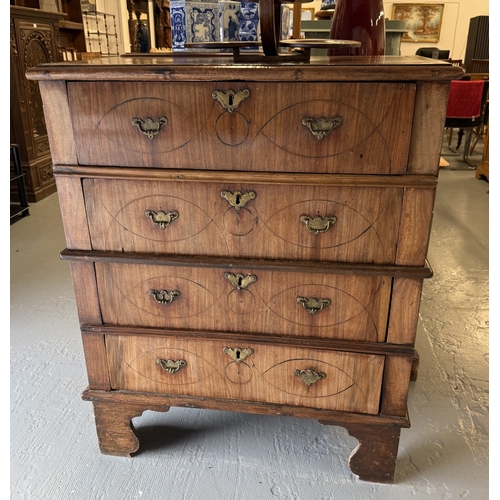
161	219
238	354
309	376
240	281
321	127
318	224
313	305
164	297
149	127
171	366
238	199
230	99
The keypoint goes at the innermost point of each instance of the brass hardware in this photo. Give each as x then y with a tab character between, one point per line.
238	199
238	354
313	305
170	365
230	99
161	219
149	127
320	127
318	224
240	281
309	377
163	296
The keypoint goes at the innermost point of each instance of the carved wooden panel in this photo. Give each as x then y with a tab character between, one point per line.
34	39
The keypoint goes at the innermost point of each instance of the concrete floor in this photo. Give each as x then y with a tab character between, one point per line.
191	454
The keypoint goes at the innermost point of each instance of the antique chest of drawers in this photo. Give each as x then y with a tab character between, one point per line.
249	237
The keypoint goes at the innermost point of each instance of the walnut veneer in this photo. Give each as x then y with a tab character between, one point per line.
249	237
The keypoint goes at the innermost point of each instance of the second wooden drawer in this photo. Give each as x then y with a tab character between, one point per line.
331	223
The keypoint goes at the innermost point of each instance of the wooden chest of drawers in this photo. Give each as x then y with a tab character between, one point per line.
249	237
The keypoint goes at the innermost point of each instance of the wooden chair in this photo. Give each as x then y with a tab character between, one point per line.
466	111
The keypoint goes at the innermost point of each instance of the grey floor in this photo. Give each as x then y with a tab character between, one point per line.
196	454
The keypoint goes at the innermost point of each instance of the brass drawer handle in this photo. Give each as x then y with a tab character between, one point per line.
161	219
164	297
238	354
313	305
320	127
171	366
230	99
240	281
238	199
318	224
148	126
309	376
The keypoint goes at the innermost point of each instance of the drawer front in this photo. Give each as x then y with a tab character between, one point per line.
360	128
248	372
342	224
281	303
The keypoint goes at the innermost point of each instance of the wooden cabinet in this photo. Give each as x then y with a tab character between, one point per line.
249	238
34	39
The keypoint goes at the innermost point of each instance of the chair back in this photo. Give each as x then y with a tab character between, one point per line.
431	52
464	99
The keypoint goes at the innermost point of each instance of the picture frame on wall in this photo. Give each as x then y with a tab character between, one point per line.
423	21
50	5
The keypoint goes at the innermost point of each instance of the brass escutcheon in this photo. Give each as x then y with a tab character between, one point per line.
170	365
240	281
164	297
320	127
238	199
230	99
318	224
148	126
309	376
238	354
161	219
313	305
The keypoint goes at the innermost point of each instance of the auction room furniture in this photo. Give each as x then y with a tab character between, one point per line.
20	206
249	237
466	110
34	39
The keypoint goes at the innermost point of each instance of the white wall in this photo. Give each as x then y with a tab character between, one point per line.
119	9
455	27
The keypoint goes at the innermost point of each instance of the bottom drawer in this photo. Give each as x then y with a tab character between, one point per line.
290	375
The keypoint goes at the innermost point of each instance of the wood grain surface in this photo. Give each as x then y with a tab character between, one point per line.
264	133
352	382
366	223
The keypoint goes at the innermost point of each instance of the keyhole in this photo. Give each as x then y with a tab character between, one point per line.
231	100
238	199
240	281
238	354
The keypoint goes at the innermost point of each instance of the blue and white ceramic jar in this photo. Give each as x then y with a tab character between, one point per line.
248	29
229	20
178	24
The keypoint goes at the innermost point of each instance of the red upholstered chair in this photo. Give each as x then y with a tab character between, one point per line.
466	111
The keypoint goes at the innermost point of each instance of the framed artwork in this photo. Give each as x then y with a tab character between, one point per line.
50	5
423	21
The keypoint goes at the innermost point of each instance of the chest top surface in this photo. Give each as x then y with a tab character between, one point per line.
212	68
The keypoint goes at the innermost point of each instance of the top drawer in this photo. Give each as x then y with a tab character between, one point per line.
357	128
